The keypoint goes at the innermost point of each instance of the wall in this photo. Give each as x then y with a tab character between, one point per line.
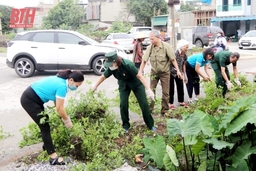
253	7
186	19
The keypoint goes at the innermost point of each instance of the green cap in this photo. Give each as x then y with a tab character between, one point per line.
110	58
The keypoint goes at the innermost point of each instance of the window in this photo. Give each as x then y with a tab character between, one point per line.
204	29
248	2
237	2
67	38
23	37
43	37
199	29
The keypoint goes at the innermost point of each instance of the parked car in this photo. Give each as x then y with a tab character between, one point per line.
205	35
136	30
122	39
55	50
248	40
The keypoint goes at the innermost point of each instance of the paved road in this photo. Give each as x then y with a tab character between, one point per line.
13	117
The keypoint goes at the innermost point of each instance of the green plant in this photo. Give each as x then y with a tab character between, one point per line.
3	134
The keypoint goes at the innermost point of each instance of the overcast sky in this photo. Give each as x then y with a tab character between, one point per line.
25	3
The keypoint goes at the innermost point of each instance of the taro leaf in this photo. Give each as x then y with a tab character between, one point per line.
203	166
241	166
198	147
242	120
242	152
206	125
214	122
156	149
172	155
168	163
190	126
190	140
218	144
238	106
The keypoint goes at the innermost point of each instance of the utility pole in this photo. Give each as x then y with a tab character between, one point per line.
171	4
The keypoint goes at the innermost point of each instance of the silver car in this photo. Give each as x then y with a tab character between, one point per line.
248	40
122	39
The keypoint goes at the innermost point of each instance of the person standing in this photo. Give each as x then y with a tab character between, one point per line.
52	88
181	58
220	42
219	65
239	34
129	79
138	49
193	65
160	55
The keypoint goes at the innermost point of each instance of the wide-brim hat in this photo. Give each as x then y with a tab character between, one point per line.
110	58
141	35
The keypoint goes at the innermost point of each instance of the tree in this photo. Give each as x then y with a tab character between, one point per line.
144	10
67	13
5	18
186	7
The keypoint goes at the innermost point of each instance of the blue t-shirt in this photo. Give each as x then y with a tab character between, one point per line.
197	58
51	88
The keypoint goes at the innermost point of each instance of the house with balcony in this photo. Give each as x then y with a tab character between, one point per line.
234	14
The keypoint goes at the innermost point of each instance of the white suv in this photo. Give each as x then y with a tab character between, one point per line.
55	50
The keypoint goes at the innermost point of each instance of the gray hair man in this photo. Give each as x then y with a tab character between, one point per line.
160	55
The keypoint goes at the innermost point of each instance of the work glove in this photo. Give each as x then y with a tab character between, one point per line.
238	82
67	122
93	87
150	94
229	85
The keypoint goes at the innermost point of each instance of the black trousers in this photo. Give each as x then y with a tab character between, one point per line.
33	105
180	89
193	80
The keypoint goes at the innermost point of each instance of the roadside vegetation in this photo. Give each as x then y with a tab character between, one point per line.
212	134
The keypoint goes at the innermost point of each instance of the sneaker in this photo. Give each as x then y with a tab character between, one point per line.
190	101
196	99
172	106
153	129
126	130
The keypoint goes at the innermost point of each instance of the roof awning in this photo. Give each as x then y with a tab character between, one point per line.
160	21
217	19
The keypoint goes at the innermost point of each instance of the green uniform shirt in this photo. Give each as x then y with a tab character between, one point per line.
222	58
159	57
125	74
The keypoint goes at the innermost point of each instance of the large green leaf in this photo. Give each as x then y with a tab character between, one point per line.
218	144
190	126
198	147
172	155
168	163
248	116
156	149
238	106
203	166
206	124
242	152
242	166
190	139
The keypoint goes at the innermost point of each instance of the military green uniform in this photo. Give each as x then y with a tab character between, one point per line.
221	59
160	58
127	81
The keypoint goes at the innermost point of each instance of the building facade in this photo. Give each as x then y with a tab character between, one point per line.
234	14
107	11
